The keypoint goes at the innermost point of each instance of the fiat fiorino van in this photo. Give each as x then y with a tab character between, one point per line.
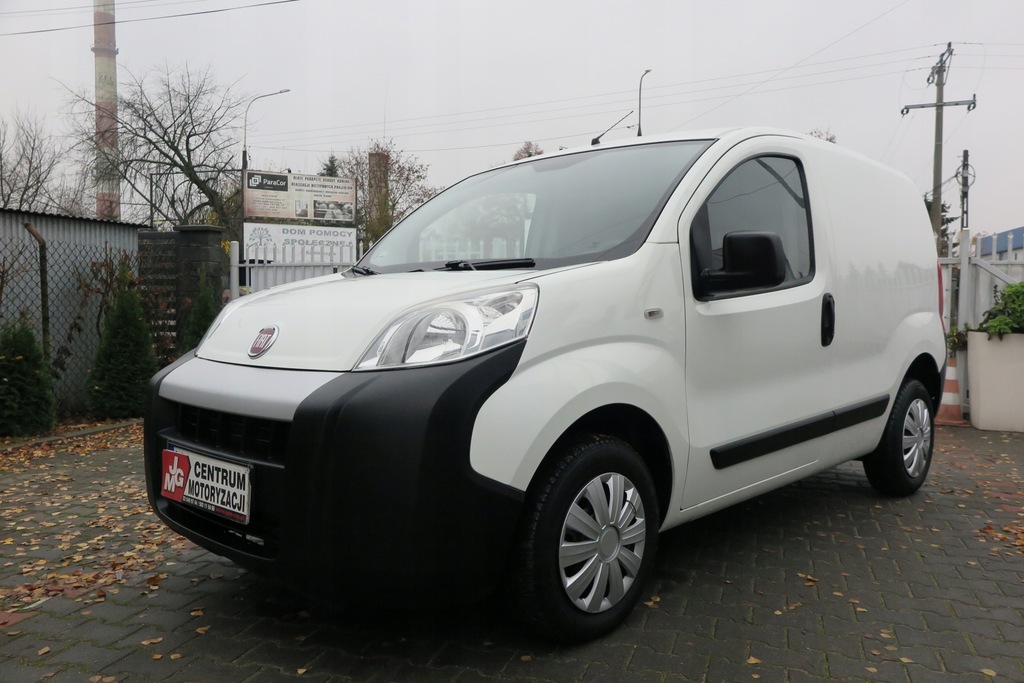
551	361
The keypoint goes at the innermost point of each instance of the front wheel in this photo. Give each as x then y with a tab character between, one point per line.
587	543
900	464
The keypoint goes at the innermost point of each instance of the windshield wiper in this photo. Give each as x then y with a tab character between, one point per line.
361	270
493	264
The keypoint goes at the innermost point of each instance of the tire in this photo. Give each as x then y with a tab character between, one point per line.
900	464
607	557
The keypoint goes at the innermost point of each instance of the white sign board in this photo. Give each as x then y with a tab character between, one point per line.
292	195
298	243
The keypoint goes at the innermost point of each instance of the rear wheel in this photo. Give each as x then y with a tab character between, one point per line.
900	464
587	543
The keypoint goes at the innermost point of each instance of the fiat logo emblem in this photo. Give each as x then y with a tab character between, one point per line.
264	340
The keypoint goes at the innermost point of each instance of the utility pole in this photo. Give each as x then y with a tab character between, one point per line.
966	176
938	76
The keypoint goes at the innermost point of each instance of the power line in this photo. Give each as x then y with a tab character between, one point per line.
132	21
82	9
843	37
459	125
609	94
362	135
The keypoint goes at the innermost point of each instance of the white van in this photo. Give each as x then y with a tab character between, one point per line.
551	361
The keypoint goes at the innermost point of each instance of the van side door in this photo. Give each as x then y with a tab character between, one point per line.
760	382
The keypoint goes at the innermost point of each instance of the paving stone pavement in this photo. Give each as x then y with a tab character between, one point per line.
821	580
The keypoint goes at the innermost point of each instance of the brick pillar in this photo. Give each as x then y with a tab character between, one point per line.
199	249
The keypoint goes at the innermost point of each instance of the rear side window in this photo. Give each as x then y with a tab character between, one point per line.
764	194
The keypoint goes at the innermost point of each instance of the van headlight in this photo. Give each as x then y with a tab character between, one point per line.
446	331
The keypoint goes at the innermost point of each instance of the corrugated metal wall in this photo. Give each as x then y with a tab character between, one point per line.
76	248
85	231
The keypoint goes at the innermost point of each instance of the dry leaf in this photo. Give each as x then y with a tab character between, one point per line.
197	612
158	656
152	641
301	671
906	660
202	629
753	660
988	672
44	651
176	655
526	658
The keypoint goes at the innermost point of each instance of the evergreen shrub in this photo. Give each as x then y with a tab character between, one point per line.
125	360
26	391
202	315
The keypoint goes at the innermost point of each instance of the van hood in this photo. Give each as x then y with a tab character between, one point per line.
328	323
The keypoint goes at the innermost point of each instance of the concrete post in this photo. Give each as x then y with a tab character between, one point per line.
965	315
233	273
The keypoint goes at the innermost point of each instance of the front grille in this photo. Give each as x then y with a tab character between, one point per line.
250	437
261	444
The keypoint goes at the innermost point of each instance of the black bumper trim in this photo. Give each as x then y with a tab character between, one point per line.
791	435
377	494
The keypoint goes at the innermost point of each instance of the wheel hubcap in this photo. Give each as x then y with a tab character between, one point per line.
917	438
602	543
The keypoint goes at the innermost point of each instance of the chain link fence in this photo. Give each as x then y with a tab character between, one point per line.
65	306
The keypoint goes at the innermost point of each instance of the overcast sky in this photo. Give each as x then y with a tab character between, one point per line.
462	84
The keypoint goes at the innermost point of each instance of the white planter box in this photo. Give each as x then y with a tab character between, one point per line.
995	377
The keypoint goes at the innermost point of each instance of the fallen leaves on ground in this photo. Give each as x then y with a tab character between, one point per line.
17	458
71	528
1010	535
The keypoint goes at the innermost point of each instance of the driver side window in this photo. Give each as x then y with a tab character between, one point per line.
764	194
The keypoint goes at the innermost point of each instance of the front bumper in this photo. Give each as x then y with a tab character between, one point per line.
367	492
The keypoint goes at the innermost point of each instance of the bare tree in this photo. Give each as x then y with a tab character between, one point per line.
177	134
529	149
400	186
30	160
827	135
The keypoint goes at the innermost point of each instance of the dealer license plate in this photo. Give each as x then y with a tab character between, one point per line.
217	486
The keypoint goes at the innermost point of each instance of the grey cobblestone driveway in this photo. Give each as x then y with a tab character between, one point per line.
822	580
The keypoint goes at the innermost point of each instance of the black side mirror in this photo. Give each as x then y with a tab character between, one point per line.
750	260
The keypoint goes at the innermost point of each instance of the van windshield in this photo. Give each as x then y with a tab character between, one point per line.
592	206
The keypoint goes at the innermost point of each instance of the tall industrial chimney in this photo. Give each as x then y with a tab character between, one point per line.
108	184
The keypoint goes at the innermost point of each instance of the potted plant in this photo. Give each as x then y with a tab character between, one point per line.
995	360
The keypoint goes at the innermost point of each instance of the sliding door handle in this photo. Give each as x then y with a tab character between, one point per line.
828	319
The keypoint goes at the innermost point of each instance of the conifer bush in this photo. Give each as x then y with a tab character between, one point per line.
26	392
125	360
202	315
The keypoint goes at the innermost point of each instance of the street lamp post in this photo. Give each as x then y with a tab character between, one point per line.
245	152
639	104
245	125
